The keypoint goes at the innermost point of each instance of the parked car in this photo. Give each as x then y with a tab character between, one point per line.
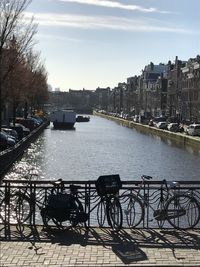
3	141
173	127
160	119
38	120
29	123
162	125
151	123
20	129
6	141
9	136
193	129
10	141
11	132
136	118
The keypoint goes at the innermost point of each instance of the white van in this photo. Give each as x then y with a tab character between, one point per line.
193	129
137	118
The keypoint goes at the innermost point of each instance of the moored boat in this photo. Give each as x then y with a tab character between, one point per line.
81	118
63	119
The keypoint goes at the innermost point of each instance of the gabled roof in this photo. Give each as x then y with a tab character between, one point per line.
151	68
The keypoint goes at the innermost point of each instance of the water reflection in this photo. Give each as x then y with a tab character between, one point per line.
29	163
173	142
102	147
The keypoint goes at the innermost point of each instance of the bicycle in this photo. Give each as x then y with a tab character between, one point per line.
109	207
65	210
15	206
180	209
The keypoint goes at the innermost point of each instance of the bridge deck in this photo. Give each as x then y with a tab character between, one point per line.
101	247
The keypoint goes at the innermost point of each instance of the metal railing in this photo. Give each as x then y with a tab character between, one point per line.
35	193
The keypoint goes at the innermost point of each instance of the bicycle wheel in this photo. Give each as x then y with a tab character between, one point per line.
101	213
114	214
23	208
134	212
183	211
16	209
62	218
160	214
3	211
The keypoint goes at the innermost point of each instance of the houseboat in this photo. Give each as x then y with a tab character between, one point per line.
63	119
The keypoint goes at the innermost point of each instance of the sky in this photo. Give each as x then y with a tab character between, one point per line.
99	43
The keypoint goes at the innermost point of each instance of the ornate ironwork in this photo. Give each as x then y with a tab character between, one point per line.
22	200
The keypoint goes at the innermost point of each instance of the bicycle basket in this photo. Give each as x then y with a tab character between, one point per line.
108	184
60	201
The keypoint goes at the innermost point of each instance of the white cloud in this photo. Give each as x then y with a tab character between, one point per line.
104	22
58	37
112	4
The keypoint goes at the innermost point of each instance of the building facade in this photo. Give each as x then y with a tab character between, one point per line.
171	90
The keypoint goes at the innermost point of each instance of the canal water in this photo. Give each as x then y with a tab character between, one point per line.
102	147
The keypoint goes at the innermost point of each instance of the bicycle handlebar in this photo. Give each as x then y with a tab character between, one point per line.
169	184
59	184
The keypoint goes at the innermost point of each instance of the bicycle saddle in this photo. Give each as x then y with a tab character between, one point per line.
58	182
147	177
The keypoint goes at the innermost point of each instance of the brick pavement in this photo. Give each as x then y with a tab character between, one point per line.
99	247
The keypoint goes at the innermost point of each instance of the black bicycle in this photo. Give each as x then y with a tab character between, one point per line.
65	209
16	205
109	206
180	209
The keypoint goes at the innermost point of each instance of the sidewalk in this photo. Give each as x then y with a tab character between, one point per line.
99	247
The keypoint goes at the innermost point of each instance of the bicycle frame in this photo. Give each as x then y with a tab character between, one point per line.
101	199
141	204
145	198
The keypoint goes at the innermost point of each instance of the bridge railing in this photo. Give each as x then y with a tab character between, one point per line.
35	195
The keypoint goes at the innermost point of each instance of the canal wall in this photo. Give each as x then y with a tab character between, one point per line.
179	138
10	155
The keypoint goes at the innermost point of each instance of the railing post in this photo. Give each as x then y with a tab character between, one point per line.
87	202
147	199
33	202
7	209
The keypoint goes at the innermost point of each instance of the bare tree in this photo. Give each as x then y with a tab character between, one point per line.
13	28
36	80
